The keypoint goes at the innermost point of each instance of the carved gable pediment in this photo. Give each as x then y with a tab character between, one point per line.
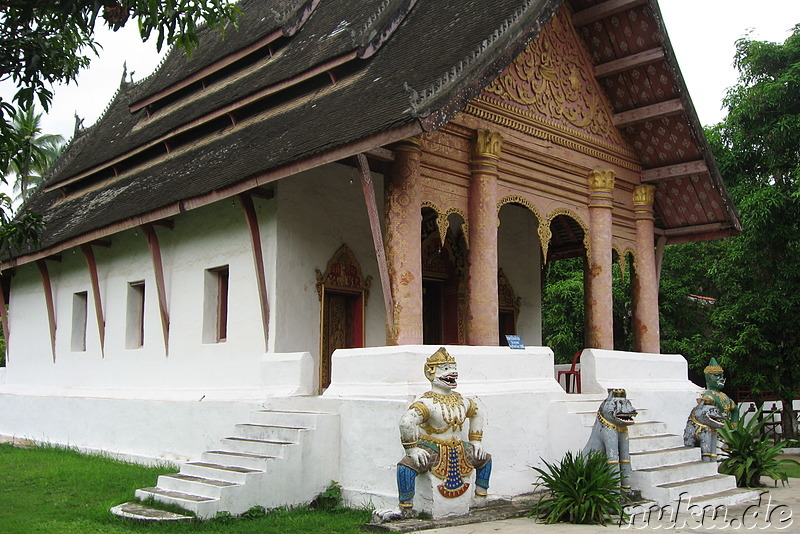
552	84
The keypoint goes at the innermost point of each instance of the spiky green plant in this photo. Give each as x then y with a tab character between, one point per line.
749	455
580	489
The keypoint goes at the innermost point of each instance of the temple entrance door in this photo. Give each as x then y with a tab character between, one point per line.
343	292
508	326
508	304
432	308
342	328
443	283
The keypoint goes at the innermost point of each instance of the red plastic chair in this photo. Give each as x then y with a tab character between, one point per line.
575	373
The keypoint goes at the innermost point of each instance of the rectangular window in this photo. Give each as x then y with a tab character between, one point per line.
215	305
79	304
134	330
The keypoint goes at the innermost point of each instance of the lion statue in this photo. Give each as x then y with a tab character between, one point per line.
701	427
610	433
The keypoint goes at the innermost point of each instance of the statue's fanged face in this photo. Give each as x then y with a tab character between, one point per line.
715	381
446	375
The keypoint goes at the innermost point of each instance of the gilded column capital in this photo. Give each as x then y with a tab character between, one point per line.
412	144
644	196
487	144
601	181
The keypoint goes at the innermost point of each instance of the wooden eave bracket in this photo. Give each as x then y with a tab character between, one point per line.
48	297
91	264
158	270
251	217
368	187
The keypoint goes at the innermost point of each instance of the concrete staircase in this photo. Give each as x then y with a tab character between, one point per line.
664	470
273	445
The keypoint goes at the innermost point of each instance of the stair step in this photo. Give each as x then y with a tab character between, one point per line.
228	473
298	419
255	446
699	486
269	432
225	467
135	510
207	487
655	442
662	457
177	495
239	459
730	497
666	474
203	506
642	429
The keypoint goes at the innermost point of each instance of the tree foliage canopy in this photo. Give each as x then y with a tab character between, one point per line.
43	42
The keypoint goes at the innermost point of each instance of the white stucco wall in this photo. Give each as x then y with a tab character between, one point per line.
520	257
238	368
318	212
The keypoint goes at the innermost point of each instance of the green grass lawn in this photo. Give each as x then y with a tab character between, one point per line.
791	470
46	490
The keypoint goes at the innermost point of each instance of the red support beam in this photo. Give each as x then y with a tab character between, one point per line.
91	264
258	260
647	113
633	61
158	269
603	10
671	172
48	297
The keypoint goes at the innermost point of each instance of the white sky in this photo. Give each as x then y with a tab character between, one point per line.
702	33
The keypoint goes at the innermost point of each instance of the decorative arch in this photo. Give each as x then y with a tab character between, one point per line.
518	199
443	220
546	233
622	253
343	272
522	201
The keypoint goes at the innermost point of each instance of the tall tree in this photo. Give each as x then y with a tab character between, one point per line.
756	274
37	153
43	42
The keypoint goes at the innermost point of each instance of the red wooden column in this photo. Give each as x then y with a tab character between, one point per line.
599	299
646	333
403	245
482	308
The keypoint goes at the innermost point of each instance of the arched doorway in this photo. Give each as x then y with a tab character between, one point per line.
443	280
563	288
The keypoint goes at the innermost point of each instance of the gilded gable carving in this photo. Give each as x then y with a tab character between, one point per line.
552	78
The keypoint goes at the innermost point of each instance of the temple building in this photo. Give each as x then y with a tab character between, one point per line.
349	175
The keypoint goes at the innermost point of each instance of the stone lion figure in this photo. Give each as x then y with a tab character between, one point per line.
610	432
701	427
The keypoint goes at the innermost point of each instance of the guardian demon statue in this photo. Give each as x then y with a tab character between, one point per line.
701	428
610	432
431	431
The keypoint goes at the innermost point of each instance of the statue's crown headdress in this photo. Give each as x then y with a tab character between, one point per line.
713	367
437	358
617	392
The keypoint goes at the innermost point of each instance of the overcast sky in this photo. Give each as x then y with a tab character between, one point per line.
702	32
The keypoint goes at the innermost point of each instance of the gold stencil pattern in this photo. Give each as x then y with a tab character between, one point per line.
552	78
